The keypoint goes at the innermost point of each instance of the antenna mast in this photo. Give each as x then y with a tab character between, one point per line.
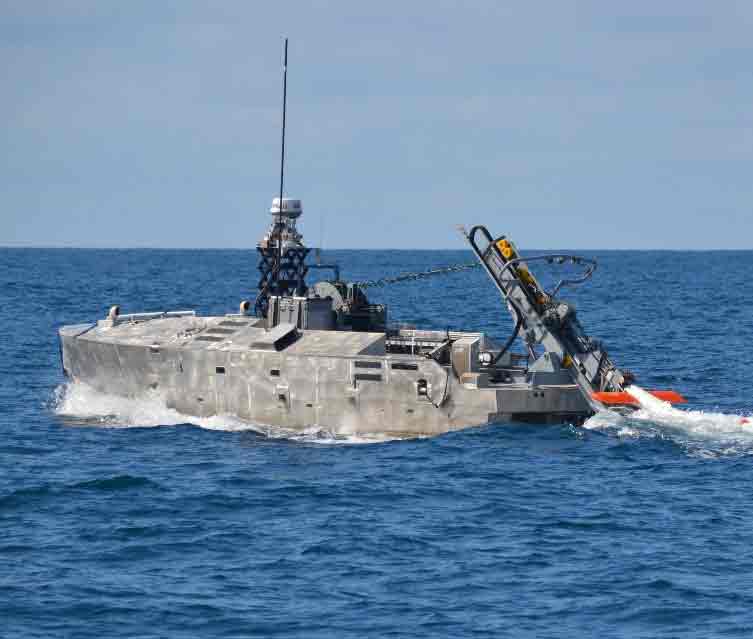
282	169
282	263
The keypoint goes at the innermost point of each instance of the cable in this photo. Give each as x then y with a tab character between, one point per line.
513	336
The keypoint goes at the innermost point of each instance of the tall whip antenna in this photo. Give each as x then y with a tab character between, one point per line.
282	169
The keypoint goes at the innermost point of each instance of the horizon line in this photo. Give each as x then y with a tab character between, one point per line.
109	247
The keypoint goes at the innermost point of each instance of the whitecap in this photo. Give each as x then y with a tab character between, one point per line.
704	433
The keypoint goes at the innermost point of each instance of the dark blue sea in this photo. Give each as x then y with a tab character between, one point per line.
120	518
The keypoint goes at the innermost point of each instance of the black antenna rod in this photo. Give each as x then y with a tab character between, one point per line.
282	169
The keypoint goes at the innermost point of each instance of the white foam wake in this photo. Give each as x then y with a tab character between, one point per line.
700	430
81	405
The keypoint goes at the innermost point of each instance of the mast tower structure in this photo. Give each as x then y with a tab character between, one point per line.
282	254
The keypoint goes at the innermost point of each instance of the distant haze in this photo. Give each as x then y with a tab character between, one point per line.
579	125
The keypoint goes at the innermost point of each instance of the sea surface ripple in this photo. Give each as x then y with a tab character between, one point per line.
121	518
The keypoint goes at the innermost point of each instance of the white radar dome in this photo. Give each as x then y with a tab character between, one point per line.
290	208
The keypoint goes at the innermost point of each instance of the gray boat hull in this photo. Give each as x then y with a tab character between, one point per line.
343	382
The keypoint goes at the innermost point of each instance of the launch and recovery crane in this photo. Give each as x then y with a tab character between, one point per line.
542	319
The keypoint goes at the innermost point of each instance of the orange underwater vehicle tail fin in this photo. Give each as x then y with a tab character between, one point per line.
624	398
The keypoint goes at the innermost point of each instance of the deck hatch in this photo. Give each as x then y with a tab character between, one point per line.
209	338
275	339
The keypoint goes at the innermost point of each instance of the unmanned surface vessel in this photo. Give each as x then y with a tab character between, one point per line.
324	356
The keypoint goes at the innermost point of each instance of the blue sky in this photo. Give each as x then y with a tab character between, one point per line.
564	125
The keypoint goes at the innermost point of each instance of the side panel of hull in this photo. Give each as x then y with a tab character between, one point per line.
344	395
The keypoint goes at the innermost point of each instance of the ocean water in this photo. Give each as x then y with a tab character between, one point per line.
121	518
